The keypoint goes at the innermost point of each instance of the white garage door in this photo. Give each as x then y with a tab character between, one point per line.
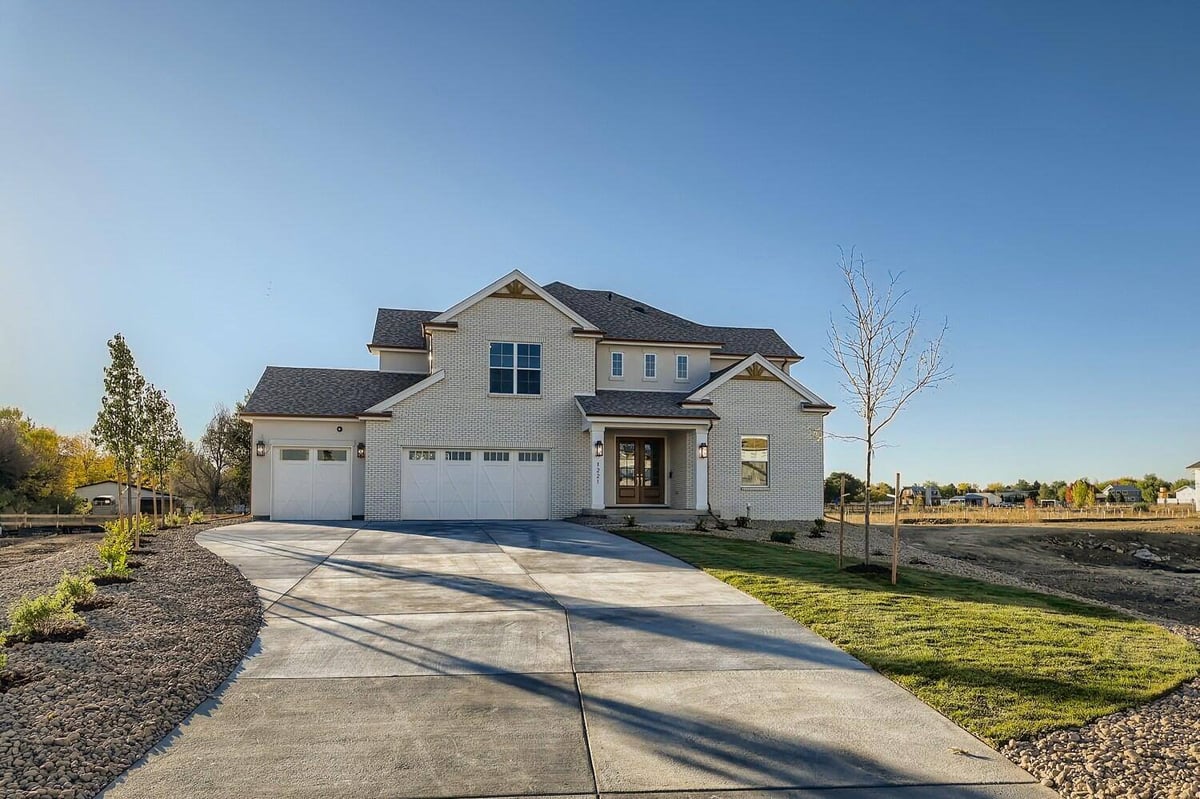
310	483
474	484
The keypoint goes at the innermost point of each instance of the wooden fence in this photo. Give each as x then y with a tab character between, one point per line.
11	522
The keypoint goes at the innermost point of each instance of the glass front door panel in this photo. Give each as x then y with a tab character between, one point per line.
640	471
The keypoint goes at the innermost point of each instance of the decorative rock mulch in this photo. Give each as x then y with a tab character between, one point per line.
74	715
1147	752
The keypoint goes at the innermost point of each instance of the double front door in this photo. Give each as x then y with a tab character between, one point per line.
639	471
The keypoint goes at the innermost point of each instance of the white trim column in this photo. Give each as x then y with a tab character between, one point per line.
597	475
701	471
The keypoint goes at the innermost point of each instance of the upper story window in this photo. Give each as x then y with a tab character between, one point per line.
650	371
618	364
681	367
514	368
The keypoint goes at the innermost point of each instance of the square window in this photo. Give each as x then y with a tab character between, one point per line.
756	461
514	368
501	355
681	367
501	381
618	364
529	381
651	366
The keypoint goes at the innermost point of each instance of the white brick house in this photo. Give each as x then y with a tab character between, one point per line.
527	401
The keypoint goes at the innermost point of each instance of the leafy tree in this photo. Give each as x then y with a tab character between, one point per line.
833	487
880	492
1081	494
882	363
162	440
1149	486
1023	485
1046	491
33	475
86	463
966	488
119	424
994	487
209	471
1182	482
948	490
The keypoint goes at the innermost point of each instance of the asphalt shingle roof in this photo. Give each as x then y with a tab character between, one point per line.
622	317
398	327
641	403
292	391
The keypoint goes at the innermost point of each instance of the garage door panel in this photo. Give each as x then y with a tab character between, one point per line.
494	484
310	483
419	484
531	484
331	484
456	489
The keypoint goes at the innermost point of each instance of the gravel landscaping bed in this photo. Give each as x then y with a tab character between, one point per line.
1147	752
74	715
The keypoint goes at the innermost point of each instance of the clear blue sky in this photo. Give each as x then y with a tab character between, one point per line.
239	184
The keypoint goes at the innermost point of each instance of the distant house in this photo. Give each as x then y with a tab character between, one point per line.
1120	492
930	495
1195	469
1184	496
982	499
106	497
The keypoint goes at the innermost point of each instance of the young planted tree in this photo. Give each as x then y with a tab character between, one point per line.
883	365
163	441
118	427
209	471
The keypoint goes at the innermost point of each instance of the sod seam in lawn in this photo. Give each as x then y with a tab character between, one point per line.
1001	662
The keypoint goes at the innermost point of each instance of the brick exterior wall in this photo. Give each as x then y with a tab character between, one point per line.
459	412
797	452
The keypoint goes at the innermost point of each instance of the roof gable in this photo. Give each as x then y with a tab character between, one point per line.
514	285
400	328
757	367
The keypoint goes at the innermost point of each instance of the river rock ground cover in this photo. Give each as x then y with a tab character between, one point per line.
75	714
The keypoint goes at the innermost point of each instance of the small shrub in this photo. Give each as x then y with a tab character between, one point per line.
174	520
196	517
115	546
722	524
3	661
783	536
700	526
630	520
75	591
1141	507
819	523
742	521
33	618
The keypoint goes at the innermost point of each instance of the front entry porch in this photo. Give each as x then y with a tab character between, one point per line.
647	467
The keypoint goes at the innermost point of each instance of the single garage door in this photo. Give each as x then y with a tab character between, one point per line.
474	484
310	483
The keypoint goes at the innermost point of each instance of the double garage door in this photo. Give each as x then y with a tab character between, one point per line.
474	484
310	483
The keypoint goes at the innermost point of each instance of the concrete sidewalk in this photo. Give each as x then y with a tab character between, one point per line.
502	659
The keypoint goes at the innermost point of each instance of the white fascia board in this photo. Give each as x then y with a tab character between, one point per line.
531	284
664	345
283	417
380	407
375	349
810	397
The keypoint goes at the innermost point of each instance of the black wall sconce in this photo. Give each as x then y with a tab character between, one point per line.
599	448
361	450
703	449
260	448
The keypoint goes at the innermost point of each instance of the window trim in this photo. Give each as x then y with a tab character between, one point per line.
613	358
741	462
650	364
682	360
515	369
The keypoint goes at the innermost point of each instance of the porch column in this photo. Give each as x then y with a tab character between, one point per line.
597	474
701	470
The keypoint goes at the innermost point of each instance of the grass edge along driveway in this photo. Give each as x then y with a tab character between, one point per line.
1001	662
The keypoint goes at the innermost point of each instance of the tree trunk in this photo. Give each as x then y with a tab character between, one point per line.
867	510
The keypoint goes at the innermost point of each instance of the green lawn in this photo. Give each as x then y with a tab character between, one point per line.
1002	662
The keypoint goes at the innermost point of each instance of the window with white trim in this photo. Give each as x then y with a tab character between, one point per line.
531	457
650	367
421	455
756	461
681	367
293	454
495	457
514	368
618	364
458	455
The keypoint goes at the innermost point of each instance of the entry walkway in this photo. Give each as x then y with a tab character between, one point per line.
501	659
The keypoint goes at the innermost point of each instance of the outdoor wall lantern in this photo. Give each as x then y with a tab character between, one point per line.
703	449
361	450
260	448
599	448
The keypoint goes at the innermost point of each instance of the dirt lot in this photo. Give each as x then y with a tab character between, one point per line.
1093	560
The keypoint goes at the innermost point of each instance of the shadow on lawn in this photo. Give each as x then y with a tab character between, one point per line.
761	559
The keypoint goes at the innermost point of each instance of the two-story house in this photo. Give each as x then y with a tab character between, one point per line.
532	402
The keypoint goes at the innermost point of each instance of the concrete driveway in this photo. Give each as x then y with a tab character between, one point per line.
502	659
